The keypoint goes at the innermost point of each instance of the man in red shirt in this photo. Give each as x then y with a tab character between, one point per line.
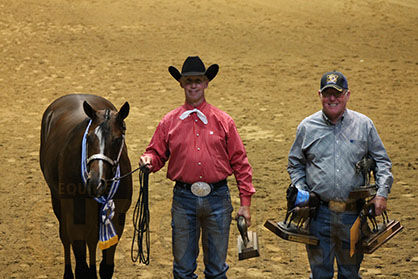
204	148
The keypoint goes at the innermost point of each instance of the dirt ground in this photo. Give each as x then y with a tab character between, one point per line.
271	55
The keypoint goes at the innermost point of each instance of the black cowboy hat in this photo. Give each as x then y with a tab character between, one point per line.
193	66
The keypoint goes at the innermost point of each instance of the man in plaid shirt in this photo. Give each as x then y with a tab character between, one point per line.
322	159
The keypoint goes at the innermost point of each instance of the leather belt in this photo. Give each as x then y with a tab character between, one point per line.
340	206
192	187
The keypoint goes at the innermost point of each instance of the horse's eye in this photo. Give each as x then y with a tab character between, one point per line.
117	141
89	139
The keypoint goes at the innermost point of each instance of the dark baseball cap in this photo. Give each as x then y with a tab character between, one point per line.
334	80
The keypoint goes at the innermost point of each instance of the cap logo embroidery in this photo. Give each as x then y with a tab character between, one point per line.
332	78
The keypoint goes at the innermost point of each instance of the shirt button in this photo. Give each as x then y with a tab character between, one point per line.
338	170
195	120
197	135
198	149
200	177
199	163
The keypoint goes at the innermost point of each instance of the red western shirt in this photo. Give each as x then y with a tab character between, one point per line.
201	152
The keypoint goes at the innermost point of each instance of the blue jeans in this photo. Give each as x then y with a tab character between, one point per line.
333	231
212	216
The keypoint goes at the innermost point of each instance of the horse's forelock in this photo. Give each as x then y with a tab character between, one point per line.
105	124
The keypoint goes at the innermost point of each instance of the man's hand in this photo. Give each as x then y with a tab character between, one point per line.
244	211
145	160
379	204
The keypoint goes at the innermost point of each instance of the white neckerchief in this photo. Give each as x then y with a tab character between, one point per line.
198	112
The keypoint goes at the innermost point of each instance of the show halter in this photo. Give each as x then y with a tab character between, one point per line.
107	233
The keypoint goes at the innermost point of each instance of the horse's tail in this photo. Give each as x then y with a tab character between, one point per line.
46	124
45	129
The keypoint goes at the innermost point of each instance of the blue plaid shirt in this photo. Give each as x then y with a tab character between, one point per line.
323	156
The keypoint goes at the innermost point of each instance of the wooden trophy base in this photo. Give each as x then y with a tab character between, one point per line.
249	251
290	233
384	233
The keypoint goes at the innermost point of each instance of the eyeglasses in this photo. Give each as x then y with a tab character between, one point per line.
193	80
336	94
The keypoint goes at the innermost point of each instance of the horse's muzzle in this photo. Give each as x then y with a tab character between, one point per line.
96	187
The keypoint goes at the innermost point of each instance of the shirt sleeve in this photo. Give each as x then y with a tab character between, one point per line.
296	166
240	165
384	177
158	148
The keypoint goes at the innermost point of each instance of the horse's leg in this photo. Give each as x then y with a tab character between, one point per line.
301	223
81	267
92	208
107	265
374	223
293	215
68	273
286	217
385	217
92	244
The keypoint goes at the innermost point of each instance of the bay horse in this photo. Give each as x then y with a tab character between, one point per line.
84	198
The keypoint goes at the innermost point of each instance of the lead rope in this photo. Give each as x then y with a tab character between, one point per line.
141	219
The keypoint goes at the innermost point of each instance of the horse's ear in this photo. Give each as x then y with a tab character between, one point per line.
124	111
89	110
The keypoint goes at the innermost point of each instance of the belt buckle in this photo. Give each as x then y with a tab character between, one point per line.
337	206
200	189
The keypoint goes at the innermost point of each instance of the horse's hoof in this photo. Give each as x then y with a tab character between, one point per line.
68	276
106	271
92	272
68	273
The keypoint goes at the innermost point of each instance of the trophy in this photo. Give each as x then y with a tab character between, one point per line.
372	236
247	241
301	206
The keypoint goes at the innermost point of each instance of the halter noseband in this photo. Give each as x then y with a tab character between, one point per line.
105	158
101	157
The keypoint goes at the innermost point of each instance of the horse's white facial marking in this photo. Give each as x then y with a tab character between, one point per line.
99	134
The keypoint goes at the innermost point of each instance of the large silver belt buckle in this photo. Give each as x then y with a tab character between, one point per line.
337	206
200	189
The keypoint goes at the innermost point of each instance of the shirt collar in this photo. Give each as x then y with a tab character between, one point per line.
200	107
326	119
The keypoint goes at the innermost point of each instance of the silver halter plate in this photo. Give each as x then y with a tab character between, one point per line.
100	157
201	189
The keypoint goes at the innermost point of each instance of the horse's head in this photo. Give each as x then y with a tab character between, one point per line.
105	142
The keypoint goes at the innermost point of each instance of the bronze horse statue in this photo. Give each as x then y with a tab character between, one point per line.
301	212
82	155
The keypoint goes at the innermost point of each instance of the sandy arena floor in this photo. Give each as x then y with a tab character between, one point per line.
271	55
